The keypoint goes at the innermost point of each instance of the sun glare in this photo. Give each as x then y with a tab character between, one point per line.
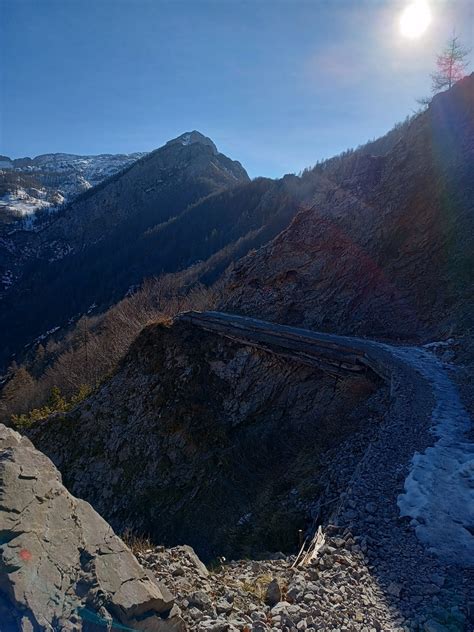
415	19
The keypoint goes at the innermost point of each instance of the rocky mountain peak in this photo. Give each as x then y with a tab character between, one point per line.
189	138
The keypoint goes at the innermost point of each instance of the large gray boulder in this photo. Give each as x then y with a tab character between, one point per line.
61	565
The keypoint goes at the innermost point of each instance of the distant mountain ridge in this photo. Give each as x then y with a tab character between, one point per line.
49	180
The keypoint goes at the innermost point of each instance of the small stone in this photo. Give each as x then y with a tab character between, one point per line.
199	599
223	606
294	594
273	593
195	614
394	589
178	572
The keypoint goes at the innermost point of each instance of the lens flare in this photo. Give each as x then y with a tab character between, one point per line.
415	19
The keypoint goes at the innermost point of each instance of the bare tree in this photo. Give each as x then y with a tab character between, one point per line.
451	65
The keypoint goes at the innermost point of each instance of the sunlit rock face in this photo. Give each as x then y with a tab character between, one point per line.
387	249
61	565
201	440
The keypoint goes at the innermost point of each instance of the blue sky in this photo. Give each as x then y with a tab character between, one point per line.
277	84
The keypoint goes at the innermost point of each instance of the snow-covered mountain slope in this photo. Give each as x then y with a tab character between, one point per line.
47	181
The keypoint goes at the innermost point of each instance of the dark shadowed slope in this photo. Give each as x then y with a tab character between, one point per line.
195	431
388	247
110	238
385	247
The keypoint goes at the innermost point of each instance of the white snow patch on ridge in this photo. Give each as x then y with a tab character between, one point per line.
439	490
22	203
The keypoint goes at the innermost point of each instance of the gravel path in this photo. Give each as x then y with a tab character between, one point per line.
439	491
413	467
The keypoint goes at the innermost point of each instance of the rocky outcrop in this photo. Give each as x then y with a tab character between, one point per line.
188	138
208	441
61	565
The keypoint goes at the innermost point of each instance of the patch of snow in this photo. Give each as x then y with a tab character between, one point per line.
24	203
439	490
60	251
7	279
439	343
245	519
45	335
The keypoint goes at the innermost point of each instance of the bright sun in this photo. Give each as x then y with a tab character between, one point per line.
415	19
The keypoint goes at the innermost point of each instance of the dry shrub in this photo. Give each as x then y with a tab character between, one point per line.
137	543
95	346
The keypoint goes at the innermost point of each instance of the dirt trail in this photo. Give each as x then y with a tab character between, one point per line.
439	489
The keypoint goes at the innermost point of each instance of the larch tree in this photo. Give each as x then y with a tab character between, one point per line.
451	65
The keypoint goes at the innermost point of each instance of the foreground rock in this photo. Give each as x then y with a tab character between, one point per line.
61	565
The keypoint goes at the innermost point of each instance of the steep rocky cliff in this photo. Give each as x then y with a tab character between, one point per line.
385	245
203	440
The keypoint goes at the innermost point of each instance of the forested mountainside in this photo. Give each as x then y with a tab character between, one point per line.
157	216
110	238
385	246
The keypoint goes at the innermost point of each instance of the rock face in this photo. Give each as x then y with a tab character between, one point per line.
202	440
61	565
385	247
188	138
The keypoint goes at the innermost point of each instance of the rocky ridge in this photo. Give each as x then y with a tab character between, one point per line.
103	235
